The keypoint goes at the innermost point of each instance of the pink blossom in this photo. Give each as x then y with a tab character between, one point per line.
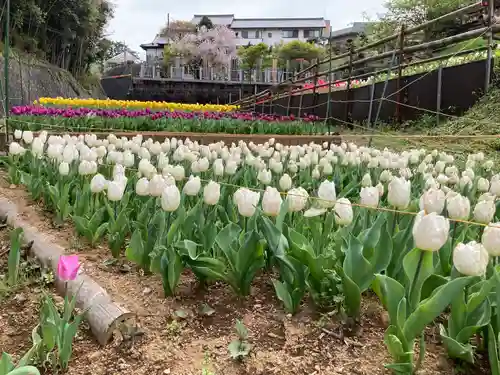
67	267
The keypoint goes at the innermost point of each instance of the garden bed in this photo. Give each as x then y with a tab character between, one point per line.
189	334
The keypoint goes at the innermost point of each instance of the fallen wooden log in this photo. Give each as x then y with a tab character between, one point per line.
103	315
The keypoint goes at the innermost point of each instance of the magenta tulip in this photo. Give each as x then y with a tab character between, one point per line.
67	267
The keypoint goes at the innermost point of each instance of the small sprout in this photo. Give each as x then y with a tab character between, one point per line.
240	348
206	310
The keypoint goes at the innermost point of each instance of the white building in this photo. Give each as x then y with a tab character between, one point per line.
271	31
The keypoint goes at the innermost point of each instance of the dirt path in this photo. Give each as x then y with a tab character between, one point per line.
197	344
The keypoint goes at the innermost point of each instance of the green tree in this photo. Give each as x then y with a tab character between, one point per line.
207	22
297	53
250	56
66	33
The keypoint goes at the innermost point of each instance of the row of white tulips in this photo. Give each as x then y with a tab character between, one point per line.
297	201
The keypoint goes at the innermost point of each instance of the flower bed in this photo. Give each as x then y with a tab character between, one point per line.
133	104
326	221
87	119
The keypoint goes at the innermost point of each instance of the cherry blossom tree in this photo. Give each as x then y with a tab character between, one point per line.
214	47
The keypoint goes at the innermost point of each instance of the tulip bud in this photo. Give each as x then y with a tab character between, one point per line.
192	186
265	176
285	182
271	201
366	180
385	176
430	232
98	183
142	187
327	194
491	239
458	207
170	198
211	193
483	185
64	169
231	167
399	191
369	196
297	199
433	200
18	134
67	267
115	190
343	212
470	259
484	211
218	167
380	189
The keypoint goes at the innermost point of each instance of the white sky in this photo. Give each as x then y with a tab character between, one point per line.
138	21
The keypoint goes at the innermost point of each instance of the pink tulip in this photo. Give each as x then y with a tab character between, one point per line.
67	267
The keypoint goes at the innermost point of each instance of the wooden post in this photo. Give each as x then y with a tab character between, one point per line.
370	109
315	80
289	101
438	95
400	73
487	78
300	104
348	89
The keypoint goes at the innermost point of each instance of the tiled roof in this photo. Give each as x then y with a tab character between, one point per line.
217	19
356	28
278	23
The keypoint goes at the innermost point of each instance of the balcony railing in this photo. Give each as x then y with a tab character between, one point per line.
268	75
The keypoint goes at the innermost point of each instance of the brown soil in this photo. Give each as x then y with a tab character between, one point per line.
197	344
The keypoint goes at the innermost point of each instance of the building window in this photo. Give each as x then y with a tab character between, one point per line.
258	34
311	34
269	35
290	33
244	34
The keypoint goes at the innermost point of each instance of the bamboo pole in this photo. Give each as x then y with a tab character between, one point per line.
400	72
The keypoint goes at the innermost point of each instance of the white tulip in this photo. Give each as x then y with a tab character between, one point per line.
115	190
142	187
15	149
458	207
430	232
192	186
64	169
465	181
98	183
271	201
343	212
483	185
231	167
37	147
27	136
369	196
218	167
470	259
433	200
385	176
495	187
285	182
484	211
170	198
399	193
327	194
297	199
211	193
313	212
491	239
247	201
156	185
18	134
178	172
264	176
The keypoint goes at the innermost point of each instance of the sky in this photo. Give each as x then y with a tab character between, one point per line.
138	21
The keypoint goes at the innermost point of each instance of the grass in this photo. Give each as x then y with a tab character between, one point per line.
481	119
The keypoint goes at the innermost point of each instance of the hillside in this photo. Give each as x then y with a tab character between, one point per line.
32	79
